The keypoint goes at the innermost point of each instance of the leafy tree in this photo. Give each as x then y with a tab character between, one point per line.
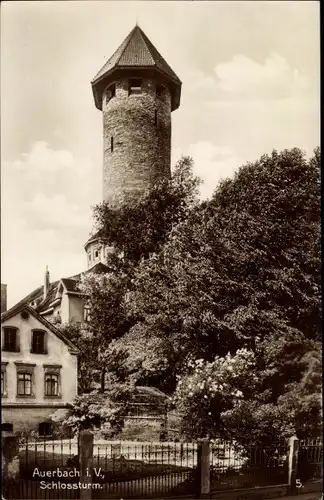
231	279
240	272
100	411
139	227
82	337
135	229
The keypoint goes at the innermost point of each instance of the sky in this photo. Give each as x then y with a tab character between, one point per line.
250	84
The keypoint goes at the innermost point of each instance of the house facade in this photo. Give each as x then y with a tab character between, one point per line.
38	370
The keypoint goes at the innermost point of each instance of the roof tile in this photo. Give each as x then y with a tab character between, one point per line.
136	51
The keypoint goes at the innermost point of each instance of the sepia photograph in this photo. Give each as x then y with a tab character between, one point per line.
161	323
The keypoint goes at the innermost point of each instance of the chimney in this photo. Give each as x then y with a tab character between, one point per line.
46	282
3	298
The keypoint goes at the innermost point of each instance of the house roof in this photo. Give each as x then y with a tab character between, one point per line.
18	308
70	283
136	51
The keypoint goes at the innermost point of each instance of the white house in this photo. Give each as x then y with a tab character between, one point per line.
38	370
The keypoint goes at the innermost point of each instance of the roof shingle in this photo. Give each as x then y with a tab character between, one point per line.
136	51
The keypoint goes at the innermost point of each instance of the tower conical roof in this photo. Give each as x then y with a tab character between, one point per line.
136	51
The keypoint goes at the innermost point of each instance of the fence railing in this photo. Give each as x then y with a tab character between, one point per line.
310	459
159	469
235	465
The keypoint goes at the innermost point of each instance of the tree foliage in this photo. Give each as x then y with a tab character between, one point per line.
100	411
233	282
141	226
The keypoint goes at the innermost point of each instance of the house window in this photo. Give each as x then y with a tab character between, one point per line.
38	342
134	86
6	427
86	313
10	338
112	144
52	381
24	386
110	92
51	384
45	429
3	378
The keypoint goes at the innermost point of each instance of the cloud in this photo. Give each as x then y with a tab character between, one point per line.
212	163
46	216
273	79
242	78
49	185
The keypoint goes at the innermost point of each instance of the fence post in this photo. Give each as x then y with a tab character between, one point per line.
292	464
10	463
203	461
86	463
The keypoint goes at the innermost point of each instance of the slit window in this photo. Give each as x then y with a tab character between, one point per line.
110	92
134	86
112	144
156	118
159	90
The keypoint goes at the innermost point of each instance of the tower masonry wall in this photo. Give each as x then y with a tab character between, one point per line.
137	140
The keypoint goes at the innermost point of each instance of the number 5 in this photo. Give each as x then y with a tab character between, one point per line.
298	483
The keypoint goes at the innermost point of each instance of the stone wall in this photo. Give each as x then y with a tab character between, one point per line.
140	125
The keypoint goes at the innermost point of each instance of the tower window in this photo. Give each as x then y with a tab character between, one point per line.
110	92
134	86
159	90
96	254
112	144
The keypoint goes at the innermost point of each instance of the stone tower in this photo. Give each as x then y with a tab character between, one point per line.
136	90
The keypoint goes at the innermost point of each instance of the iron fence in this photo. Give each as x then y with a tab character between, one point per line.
310	459
236	465
48	469
144	470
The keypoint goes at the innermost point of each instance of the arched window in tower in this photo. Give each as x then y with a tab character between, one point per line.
112	144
